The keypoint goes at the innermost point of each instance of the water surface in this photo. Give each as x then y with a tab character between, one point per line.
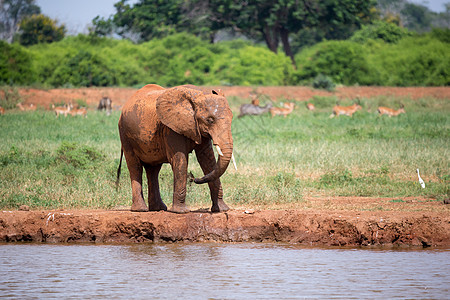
219	271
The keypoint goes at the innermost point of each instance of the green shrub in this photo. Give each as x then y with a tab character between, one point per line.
387	32
414	61
83	69
343	61
252	66
76	155
15	64
9	97
323	82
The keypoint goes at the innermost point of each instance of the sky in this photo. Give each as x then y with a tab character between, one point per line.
78	14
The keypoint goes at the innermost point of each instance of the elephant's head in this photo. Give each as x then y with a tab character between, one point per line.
195	115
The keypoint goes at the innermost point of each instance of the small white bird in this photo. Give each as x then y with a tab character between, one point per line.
422	183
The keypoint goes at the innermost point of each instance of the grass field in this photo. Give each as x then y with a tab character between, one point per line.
48	162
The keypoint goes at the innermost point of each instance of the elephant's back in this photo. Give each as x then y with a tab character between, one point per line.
139	112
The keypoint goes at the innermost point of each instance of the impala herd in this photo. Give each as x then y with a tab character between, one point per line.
67	109
255	109
245	109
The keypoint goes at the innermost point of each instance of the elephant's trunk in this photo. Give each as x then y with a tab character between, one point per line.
226	150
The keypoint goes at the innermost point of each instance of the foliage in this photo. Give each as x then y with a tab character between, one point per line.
15	64
442	35
76	155
323	82
40	29
413	61
388	32
11	14
82	69
269	21
344	62
87	60
149	18
9	97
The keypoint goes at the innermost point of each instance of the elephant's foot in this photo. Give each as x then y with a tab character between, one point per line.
157	206
180	209
139	207
220	207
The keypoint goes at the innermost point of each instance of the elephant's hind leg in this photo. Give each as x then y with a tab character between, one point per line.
135	168
155	202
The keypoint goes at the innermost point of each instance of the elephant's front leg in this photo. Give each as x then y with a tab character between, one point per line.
179	164
207	161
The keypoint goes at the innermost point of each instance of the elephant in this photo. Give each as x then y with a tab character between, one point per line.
159	125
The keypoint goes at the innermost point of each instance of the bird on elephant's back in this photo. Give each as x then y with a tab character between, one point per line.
160	125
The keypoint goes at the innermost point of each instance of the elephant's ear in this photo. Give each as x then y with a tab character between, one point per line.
175	109
218	92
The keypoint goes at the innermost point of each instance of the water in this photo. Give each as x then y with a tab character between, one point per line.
219	271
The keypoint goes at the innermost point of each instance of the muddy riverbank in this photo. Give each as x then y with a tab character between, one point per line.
312	228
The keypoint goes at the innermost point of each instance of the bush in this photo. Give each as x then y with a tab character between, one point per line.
83	69
76	155
415	61
252	66
387	32
323	82
15	64
342	61
9	97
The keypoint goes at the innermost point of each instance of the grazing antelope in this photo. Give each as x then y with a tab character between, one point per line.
62	110
105	104
283	111
345	110
310	106
390	112
250	109
30	106
82	111
2	111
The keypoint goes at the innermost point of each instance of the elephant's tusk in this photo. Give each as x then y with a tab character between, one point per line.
218	150
234	162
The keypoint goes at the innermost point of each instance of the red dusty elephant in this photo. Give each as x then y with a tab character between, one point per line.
159	125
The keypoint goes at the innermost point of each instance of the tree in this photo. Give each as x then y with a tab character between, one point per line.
276	21
11	14
40	29
273	22
149	18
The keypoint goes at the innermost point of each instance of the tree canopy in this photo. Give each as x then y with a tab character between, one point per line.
11	14
40	29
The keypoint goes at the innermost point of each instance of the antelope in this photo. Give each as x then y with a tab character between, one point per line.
105	104
82	111
22	107
310	106
62	110
390	112
250	109
2	111
345	110
284	111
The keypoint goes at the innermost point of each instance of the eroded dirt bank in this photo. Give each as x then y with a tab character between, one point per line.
292	226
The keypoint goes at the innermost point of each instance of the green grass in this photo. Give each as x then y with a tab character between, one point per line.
48	162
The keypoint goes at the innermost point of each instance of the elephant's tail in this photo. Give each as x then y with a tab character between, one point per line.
118	169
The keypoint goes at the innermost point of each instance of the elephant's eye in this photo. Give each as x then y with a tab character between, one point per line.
210	120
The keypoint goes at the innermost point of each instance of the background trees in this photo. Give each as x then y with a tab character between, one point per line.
11	14
39	29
